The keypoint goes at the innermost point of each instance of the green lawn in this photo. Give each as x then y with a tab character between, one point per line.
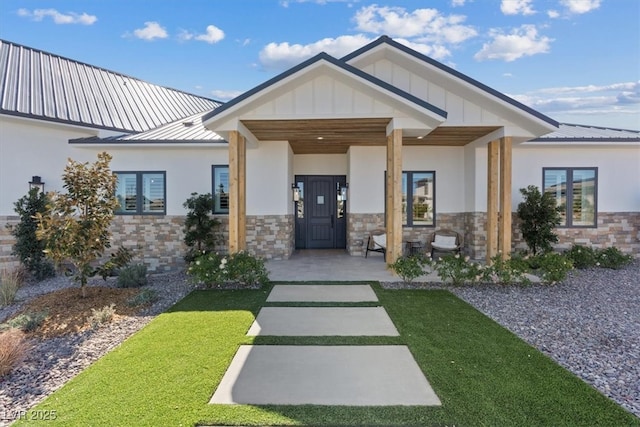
484	375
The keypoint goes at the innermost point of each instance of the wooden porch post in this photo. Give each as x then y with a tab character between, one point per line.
505	196
492	199
394	196
237	192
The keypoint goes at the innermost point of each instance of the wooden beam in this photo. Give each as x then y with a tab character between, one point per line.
505	196
394	196
493	150
237	192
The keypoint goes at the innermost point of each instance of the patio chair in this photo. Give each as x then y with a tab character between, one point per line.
377	242
445	240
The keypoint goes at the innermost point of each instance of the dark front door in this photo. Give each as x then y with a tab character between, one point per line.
320	213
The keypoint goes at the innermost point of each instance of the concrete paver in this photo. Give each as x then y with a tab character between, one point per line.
323	321
324	375
322	293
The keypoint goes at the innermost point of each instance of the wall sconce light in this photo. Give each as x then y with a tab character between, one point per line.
36	182
296	192
342	192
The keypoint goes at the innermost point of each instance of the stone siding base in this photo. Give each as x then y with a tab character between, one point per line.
271	236
158	241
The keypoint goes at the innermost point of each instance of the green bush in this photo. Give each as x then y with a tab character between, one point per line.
582	256
410	267
458	270
132	276
200	227
10	282
554	267
28	249
26	322
612	258
146	296
509	271
118	260
240	268
539	215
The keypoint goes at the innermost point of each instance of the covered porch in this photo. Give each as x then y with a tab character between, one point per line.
404	108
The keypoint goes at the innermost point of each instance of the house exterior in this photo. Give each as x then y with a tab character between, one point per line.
317	157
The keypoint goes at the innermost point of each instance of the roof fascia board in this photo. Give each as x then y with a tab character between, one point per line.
373	47
434	112
66	123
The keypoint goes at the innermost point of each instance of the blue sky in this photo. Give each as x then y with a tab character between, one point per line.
577	61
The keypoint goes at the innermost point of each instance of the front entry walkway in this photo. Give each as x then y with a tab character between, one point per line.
330	265
358	375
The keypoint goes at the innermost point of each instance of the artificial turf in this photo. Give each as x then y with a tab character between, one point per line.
483	374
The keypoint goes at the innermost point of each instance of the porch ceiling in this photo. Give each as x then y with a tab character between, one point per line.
335	136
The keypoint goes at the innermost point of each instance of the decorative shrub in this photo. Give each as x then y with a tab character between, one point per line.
539	215
146	296
458	270
241	268
554	267
101	316
27	322
118	260
509	271
410	267
582	256
10	282
13	349
612	258
199	226
132	276
28	249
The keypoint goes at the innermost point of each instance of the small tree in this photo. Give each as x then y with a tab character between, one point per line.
76	224
199	227
539	215
28	249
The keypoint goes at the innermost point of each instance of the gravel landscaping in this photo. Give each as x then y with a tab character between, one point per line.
590	324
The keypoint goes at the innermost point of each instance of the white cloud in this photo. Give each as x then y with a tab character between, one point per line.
280	56
213	35
151	31
605	101
58	18
553	14
522	41
225	95
428	24
457	3
580	6
517	7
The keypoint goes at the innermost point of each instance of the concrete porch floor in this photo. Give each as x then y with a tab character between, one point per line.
333	265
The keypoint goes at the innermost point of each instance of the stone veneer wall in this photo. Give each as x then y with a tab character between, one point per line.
158	240
621	229
271	236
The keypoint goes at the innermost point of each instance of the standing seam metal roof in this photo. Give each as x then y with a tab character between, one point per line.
45	86
583	133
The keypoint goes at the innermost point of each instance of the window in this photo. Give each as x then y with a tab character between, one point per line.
141	193
220	177
575	190
418	198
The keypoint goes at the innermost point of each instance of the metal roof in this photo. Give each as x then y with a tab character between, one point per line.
584	133
45	86
187	130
